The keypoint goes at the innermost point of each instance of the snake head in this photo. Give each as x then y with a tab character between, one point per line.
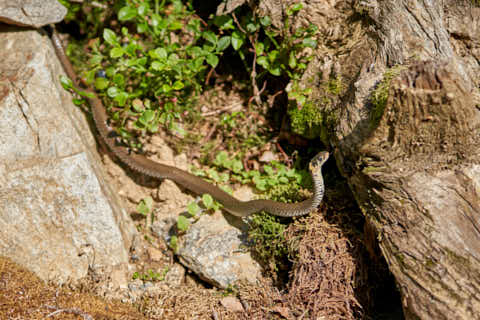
317	162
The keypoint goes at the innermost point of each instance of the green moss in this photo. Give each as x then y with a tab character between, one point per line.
335	86
306	121
380	94
267	234
312	121
371	169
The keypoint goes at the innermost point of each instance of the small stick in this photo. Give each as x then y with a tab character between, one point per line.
93	3
74	311
214	112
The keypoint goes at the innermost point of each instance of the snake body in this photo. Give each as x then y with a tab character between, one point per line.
154	169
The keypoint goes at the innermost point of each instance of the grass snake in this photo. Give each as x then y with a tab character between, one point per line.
141	164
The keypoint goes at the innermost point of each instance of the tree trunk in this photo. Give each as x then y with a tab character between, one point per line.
410	145
413	163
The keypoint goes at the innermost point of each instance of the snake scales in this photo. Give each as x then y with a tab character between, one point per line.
153	169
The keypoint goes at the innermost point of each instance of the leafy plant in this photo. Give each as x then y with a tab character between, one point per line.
183	223
277	52
145	206
151	275
153	75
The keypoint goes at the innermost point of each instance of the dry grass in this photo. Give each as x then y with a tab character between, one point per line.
24	296
323	278
323	281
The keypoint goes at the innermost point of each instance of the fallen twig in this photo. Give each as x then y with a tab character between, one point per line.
74	311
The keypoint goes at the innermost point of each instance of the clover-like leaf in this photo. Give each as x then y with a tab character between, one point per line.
110	37
127	13
183	223
207	201
145	206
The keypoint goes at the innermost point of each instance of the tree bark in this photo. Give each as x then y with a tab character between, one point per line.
416	174
413	162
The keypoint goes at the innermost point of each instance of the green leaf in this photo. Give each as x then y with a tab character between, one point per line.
175	25
193	208
309	42
296	7
213	175
224	22
207	201
208	48
78	102
292	60
265	21
116	52
183	223
152	127
141	28
121	98
119	79
283	180
142	9
178	85
210	37
110	37
237	166
259	48
159	53
127	13
237	40
110	71
224	177
195	51
137	104
174	243
276	71
146	117
273	55
301	99
101	83
223	43
158	66
212	60
251	27
263	61
198	64
178	129
96	59
112	92
269	170
86	94
227	189
221	158
166	88
156	20
145	206
260	183
66	82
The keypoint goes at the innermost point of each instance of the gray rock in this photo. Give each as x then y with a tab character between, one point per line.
57	214
175	276
31	13
212	248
